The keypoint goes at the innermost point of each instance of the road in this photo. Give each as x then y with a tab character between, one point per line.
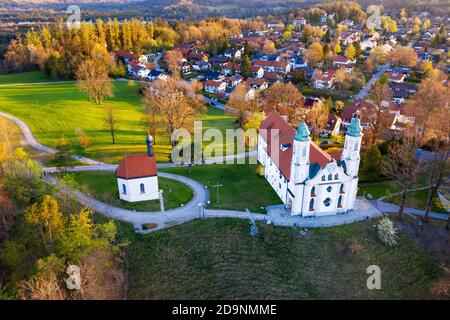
366	89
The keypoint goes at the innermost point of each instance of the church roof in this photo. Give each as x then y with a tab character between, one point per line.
135	166
286	134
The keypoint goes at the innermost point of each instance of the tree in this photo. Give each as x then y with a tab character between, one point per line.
63	147
377	116
111	121
432	127
314	54
171	105
350	52
337	48
386	232
402	167
173	59
48	221
92	78
318	117
371	163
404	56
286	99
246	67
240	105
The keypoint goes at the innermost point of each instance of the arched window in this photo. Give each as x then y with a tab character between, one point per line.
313	191
336	176
142	187
327	202
304	152
311	205
329	189
355	147
341	190
124	189
330	177
340	202
323	178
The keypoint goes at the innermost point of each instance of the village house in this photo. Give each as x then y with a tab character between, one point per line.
212	86
137	178
299	22
333	125
257	71
156	75
343	62
323	80
396	77
256	83
273	66
309	181
233	81
275	24
233	53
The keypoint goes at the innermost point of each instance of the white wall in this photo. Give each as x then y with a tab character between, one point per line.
134	194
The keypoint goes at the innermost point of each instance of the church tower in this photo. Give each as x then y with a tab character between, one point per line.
300	155
352	146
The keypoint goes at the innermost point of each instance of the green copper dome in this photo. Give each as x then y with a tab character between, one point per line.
354	129
302	133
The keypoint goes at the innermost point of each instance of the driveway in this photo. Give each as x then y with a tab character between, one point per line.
366	89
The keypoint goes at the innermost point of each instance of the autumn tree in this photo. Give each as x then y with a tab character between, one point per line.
350	52
317	117
171	105
402	167
286	99
404	56
314	54
173	59
241	105
92	78
111	121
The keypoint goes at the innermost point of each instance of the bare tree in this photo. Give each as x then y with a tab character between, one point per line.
92	78
111	121
378	114
240	104
171	105
402	167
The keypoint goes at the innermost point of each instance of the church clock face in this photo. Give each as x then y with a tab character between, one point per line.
354	155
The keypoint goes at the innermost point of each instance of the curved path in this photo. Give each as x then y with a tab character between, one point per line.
195	208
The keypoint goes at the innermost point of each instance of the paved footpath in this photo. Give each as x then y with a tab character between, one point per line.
364	209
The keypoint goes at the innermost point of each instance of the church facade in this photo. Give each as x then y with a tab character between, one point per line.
308	180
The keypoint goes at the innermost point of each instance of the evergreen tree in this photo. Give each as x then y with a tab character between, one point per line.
246	67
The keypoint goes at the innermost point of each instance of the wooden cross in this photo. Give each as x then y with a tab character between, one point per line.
217	185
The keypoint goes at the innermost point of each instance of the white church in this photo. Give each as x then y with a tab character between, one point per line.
307	179
137	177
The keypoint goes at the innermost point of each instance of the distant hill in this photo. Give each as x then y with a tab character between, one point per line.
37	2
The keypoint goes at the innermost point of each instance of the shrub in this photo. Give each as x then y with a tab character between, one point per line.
386	232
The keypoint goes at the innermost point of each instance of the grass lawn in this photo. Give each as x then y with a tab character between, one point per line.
376	189
218	259
175	193
24	77
417	199
59	109
242	187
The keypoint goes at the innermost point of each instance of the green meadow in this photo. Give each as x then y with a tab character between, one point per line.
56	109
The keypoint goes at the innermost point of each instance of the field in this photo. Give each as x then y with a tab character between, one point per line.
24	77
175	193
377	189
56	109
218	259
242	187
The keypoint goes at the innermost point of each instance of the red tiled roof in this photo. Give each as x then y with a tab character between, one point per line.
135	166
257	81
123	54
286	134
212	83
